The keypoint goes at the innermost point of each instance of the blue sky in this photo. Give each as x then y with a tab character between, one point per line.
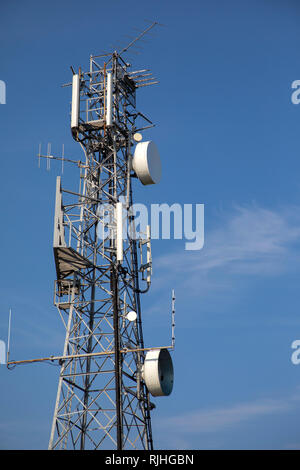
228	135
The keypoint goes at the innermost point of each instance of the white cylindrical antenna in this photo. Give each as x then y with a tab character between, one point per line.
109	98
173	318
119	222
8	336
75	101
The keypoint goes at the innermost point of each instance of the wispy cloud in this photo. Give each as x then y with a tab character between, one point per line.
214	420
250	241
213	424
295	446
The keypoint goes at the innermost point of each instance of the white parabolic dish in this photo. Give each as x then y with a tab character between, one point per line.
158	372
131	316
146	162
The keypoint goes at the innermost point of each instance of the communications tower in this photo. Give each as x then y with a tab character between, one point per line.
103	266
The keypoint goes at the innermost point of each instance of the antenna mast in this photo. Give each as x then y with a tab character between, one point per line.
102	268
105	381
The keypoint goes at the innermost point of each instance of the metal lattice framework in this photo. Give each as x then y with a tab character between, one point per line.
102	401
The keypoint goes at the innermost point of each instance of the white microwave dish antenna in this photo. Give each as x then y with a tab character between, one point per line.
146	163
158	372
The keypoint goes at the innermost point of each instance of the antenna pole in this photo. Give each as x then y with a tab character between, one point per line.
97	400
8	336
173	318
103	393
139	37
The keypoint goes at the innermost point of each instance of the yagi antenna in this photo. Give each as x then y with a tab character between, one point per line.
52	157
139	37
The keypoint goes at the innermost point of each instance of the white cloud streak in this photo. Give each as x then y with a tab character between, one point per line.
217	419
214	420
252	241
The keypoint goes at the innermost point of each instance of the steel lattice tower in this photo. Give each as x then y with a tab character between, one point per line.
102	401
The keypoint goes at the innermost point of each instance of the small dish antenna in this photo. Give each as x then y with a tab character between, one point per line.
131	316
137	137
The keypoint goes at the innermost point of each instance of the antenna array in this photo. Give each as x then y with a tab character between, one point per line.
106	373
